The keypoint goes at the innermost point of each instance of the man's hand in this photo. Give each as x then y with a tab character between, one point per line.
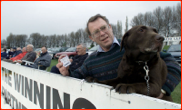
59	60
160	96
63	70
19	61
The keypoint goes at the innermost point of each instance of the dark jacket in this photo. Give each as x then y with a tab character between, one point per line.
10	55
29	56
77	61
3	55
17	53
44	60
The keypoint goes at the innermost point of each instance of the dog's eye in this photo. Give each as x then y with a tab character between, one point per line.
141	30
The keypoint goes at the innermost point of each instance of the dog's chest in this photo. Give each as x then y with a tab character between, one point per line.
134	74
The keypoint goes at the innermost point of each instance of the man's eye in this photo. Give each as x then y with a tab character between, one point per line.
96	32
102	28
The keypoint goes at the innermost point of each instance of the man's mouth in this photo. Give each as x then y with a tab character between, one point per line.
104	39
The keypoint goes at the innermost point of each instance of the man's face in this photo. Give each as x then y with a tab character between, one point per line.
104	39
44	50
24	49
29	49
80	50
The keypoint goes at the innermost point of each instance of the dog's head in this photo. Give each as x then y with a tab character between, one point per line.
142	38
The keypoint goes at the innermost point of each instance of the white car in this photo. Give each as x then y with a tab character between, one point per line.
93	49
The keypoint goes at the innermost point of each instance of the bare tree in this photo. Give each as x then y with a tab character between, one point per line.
4	43
119	30
126	24
158	14
168	19
177	19
35	39
114	29
138	20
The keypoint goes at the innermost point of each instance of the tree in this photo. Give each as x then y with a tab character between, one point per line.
119	30
126	24
35	40
158	14
114	29
4	43
177	19
168	19
11	40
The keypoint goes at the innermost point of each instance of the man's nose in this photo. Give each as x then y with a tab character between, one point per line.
101	33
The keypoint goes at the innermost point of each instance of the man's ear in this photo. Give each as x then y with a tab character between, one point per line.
91	38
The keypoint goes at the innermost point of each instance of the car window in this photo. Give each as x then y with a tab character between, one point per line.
174	48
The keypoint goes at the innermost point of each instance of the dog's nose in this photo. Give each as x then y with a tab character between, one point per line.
159	38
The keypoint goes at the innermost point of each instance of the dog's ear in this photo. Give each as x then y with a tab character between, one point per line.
124	38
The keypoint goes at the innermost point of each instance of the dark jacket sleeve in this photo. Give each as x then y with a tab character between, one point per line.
46	61
31	57
174	72
77	62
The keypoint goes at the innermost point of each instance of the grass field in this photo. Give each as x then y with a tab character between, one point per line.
176	94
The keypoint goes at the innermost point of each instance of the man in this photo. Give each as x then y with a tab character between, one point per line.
104	63
77	60
30	55
43	61
10	53
17	51
18	57
3	53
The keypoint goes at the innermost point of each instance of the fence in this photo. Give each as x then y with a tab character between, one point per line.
30	88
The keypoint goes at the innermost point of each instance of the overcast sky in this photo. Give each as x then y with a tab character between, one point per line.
63	17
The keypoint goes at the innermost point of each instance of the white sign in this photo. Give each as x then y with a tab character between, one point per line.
34	89
65	60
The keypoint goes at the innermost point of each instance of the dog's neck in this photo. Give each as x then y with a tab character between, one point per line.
140	58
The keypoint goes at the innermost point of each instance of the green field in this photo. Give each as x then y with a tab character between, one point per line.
176	94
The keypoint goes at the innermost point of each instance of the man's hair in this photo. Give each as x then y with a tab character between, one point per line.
4	49
30	45
83	45
45	47
93	18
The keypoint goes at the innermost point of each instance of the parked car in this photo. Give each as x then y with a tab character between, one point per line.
175	51
93	49
49	50
70	52
57	50
37	51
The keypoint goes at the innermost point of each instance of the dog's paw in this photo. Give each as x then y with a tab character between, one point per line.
91	79
124	88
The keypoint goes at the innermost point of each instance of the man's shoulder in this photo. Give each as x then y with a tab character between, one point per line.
93	55
32	52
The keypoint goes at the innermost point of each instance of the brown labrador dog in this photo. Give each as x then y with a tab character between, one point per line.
141	69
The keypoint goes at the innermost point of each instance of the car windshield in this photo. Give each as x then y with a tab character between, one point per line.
72	49
174	48
93	48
